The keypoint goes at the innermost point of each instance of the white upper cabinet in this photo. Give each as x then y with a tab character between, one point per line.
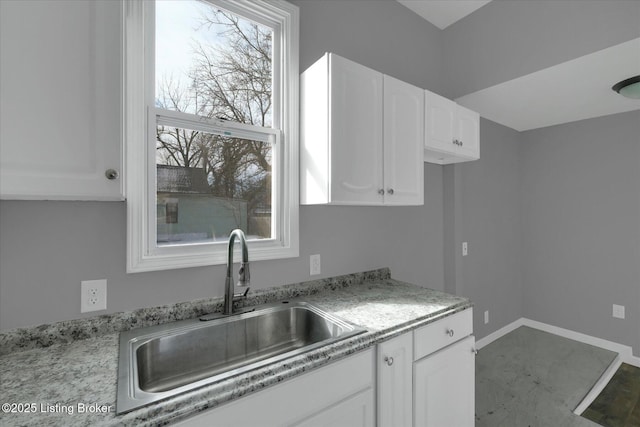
361	133
60	106
452	131
403	132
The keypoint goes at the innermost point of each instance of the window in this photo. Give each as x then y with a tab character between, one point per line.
219	149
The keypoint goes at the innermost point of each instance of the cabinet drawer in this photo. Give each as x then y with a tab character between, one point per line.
440	334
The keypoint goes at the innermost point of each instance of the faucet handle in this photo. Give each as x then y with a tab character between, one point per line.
241	295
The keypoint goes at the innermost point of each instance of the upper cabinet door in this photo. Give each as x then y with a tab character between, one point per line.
356	132
403	137
468	131
341	133
439	122
60	104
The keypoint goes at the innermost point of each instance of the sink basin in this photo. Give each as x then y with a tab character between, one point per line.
165	360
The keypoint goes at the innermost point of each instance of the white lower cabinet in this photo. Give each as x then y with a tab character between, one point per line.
341	394
444	387
394	382
426	378
423	378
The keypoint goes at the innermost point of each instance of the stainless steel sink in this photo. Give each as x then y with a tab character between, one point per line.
162	361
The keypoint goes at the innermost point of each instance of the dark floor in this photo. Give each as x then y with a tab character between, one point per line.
618	405
531	378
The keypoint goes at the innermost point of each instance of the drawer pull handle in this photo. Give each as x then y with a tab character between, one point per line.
450	332
389	360
474	351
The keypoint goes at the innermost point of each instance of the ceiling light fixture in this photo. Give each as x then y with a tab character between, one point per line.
629	88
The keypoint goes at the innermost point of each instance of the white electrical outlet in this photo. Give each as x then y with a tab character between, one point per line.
314	264
465	249
93	295
486	317
618	311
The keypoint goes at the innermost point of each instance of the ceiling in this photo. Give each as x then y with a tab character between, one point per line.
443	13
574	90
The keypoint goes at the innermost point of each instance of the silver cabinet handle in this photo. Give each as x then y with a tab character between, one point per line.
111	174
450	332
474	351
390	191
388	360
381	191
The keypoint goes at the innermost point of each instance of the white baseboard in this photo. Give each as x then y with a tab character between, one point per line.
632	360
625	353
499	333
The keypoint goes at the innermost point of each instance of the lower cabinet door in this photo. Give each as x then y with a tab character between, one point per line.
444	387
342	390
395	382
356	411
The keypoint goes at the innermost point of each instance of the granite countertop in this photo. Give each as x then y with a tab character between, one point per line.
66	373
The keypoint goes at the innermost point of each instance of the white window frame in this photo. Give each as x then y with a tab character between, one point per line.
139	122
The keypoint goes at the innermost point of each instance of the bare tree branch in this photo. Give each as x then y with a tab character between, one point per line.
231	80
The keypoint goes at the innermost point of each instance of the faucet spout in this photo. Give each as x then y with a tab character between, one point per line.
244	276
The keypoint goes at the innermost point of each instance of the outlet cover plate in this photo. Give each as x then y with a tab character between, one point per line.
314	265
618	311
93	295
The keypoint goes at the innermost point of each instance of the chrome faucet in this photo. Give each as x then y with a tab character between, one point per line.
243	274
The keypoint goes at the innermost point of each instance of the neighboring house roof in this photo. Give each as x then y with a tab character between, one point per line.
178	179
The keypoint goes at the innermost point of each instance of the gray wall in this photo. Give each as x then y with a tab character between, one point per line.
581	226
561	284
507	39
535	248
47	248
380	34
387	37
487	216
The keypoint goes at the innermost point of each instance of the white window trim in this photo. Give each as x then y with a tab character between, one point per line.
142	253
